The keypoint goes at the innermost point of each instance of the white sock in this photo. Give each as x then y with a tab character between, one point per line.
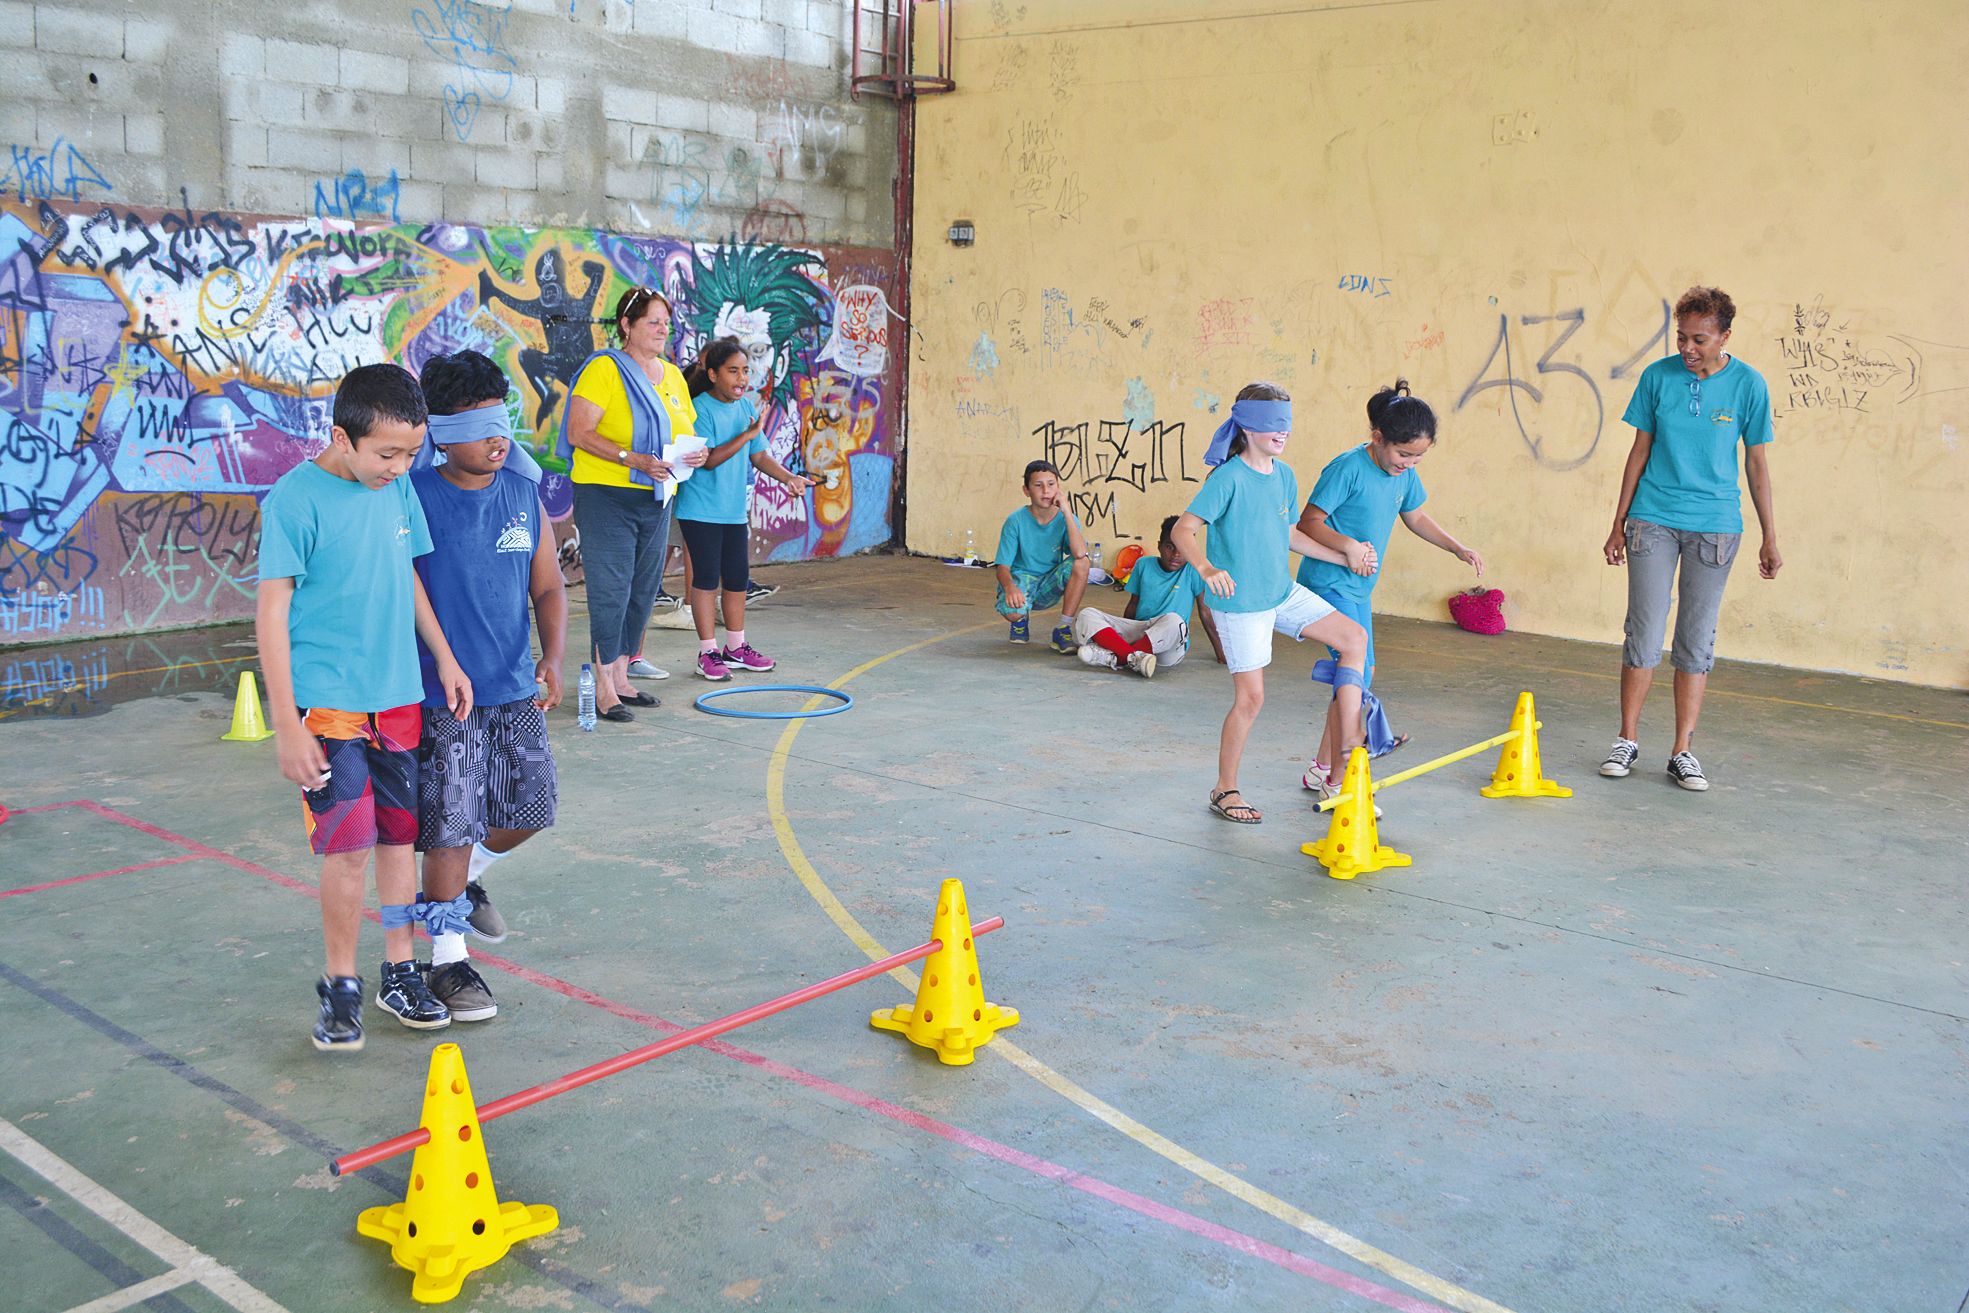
482	857
1066	619
448	948
734	638
707	645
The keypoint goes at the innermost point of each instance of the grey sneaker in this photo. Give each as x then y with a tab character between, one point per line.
462	990
405	995
641	669
1620	759
487	924
1142	663
1686	771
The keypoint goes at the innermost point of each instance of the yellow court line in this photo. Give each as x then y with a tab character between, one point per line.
1711	692
1237	1187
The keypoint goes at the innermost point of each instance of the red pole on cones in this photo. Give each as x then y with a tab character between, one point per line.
358	1159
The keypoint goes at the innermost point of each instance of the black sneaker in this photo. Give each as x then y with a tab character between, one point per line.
1620	759
487	924
462	990
405	995
756	591
1686	771
340	1028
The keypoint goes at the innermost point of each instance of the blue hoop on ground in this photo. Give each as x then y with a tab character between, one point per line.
815	689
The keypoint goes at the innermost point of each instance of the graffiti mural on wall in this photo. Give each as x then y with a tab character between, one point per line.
159	370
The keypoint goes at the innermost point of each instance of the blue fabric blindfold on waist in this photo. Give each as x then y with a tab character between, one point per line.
1252	417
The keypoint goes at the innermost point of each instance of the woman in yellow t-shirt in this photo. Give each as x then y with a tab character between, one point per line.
624	524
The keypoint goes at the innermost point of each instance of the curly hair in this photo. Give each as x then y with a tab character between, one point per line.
1705	302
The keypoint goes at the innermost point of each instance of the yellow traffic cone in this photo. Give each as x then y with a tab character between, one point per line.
1352	845
248	725
950	1014
1518	773
451	1223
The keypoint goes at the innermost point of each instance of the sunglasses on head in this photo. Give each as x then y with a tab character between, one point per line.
641	297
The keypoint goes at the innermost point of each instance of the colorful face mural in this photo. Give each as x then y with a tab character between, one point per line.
159	370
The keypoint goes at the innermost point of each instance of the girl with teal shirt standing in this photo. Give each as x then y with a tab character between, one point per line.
1246	504
1352	512
713	510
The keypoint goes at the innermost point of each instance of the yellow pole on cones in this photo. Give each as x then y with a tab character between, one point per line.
1519	770
1352	845
248	725
451	1223
950	1014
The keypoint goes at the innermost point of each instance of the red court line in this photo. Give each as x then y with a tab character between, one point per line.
1081	1181
97	875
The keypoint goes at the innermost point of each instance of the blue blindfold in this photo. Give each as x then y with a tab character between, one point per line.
475	426
1252	417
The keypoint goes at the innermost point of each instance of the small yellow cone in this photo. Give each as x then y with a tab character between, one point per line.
248	725
950	1014
1518	773
451	1223
1352	845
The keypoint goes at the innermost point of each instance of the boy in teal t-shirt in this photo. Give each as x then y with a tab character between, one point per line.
1042	559
340	610
1154	632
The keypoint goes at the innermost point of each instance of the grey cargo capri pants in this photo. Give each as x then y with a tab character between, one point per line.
1653	553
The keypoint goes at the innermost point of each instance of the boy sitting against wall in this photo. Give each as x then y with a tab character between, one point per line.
1154	632
1041	559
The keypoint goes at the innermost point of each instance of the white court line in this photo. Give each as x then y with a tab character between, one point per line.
199	1266
130	1296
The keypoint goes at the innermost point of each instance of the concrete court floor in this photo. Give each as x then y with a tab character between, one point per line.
1639	1050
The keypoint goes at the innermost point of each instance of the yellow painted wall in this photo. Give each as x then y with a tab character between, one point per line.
1174	197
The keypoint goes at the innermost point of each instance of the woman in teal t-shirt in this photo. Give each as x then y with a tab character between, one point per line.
1679	505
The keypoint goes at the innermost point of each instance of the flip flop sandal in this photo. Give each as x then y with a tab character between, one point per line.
1400	739
1217	805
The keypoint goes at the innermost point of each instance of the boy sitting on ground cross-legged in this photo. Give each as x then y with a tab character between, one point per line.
486	781
340	611
1154	632
1042	559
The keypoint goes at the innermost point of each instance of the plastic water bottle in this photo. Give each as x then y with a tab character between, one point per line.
1094	555
970	547
585	715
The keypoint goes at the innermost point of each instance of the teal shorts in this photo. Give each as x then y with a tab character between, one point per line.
1041	590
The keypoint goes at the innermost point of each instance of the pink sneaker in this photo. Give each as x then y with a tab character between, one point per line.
709	666
746	657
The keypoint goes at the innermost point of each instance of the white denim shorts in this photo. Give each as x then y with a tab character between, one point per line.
1247	635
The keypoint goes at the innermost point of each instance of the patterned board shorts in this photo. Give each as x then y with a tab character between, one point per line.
493	770
371	794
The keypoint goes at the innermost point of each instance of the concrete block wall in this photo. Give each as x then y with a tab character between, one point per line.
687	118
